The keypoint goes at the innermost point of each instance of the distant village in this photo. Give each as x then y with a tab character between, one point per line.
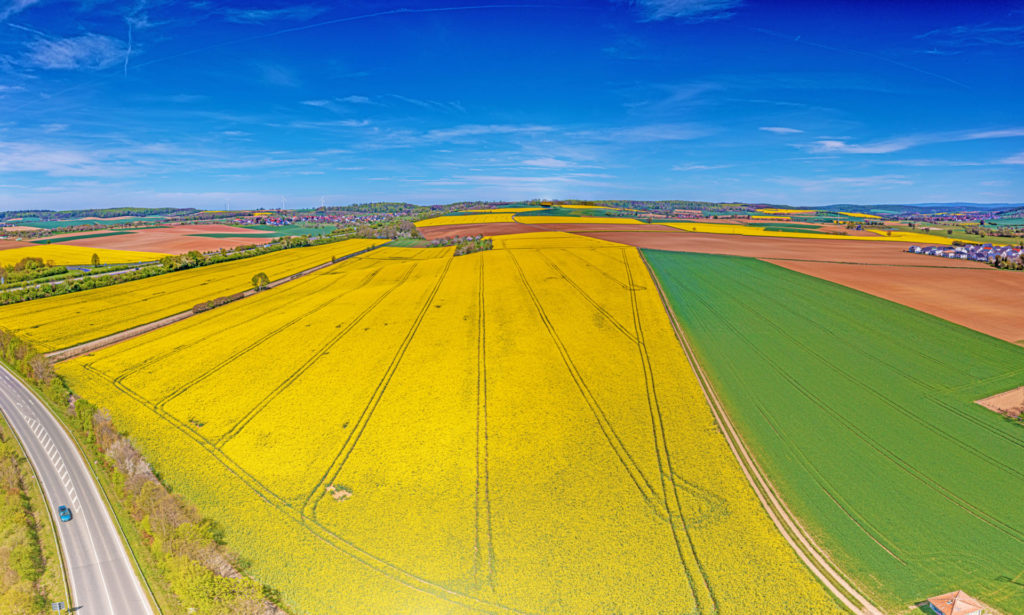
982	253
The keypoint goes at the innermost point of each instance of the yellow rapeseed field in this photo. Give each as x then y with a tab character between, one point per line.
576	220
485	218
502	210
857	215
515	430
62	321
60	254
773	210
740	229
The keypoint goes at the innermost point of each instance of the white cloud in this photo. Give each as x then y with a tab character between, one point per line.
650	133
477	130
700	167
87	52
868	181
692	10
901	143
1015	159
11	7
316	103
547	163
356	100
780	130
260	16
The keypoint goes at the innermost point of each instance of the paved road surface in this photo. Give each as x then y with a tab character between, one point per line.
103	581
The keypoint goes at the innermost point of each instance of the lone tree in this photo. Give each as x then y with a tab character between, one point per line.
95	260
260	281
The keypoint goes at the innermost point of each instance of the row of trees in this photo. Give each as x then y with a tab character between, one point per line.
194	566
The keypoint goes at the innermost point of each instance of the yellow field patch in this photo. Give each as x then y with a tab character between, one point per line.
754	231
466	219
75	255
771	210
515	430
502	210
858	215
771	217
576	220
548	239
52	323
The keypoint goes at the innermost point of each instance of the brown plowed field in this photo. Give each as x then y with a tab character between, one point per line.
469	230
6	244
175	239
986	300
970	294
827	250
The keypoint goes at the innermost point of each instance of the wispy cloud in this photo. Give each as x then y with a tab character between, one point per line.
651	133
429	104
832	146
700	167
86	52
479	130
976	35
780	130
276	74
1015	159
867	181
300	12
547	163
355	100
13	7
691	10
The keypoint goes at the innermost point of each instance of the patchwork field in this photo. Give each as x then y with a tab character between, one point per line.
756	231
862	412
176	239
515	430
62	321
62	254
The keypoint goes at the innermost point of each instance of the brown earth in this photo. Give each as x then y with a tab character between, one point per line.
469	230
175	239
985	299
827	250
964	292
6	244
17	227
1009	403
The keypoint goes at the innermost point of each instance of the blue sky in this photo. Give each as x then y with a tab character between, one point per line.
213	104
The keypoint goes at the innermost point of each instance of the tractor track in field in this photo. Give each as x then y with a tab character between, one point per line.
316	356
483	556
807	550
338	461
242	351
882	398
318	530
600	308
665	458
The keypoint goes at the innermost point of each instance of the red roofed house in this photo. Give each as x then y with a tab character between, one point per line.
955	603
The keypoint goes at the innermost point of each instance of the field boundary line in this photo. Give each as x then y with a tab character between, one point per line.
109	340
661	448
803	544
482	557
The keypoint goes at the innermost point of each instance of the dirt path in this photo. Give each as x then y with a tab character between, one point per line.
809	552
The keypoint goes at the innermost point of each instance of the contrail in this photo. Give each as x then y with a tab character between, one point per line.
862	53
329	22
128	52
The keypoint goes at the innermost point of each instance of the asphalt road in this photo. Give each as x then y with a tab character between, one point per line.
103	581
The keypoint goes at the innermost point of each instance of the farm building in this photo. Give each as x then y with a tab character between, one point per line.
955	603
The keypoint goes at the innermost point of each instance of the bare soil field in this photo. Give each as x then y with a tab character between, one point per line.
824	250
7	244
175	239
469	230
985	299
1010	403
18	227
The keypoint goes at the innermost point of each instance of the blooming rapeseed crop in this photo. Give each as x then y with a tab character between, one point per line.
62	321
514	429
75	255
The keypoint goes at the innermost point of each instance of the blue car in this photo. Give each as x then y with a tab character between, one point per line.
65	513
